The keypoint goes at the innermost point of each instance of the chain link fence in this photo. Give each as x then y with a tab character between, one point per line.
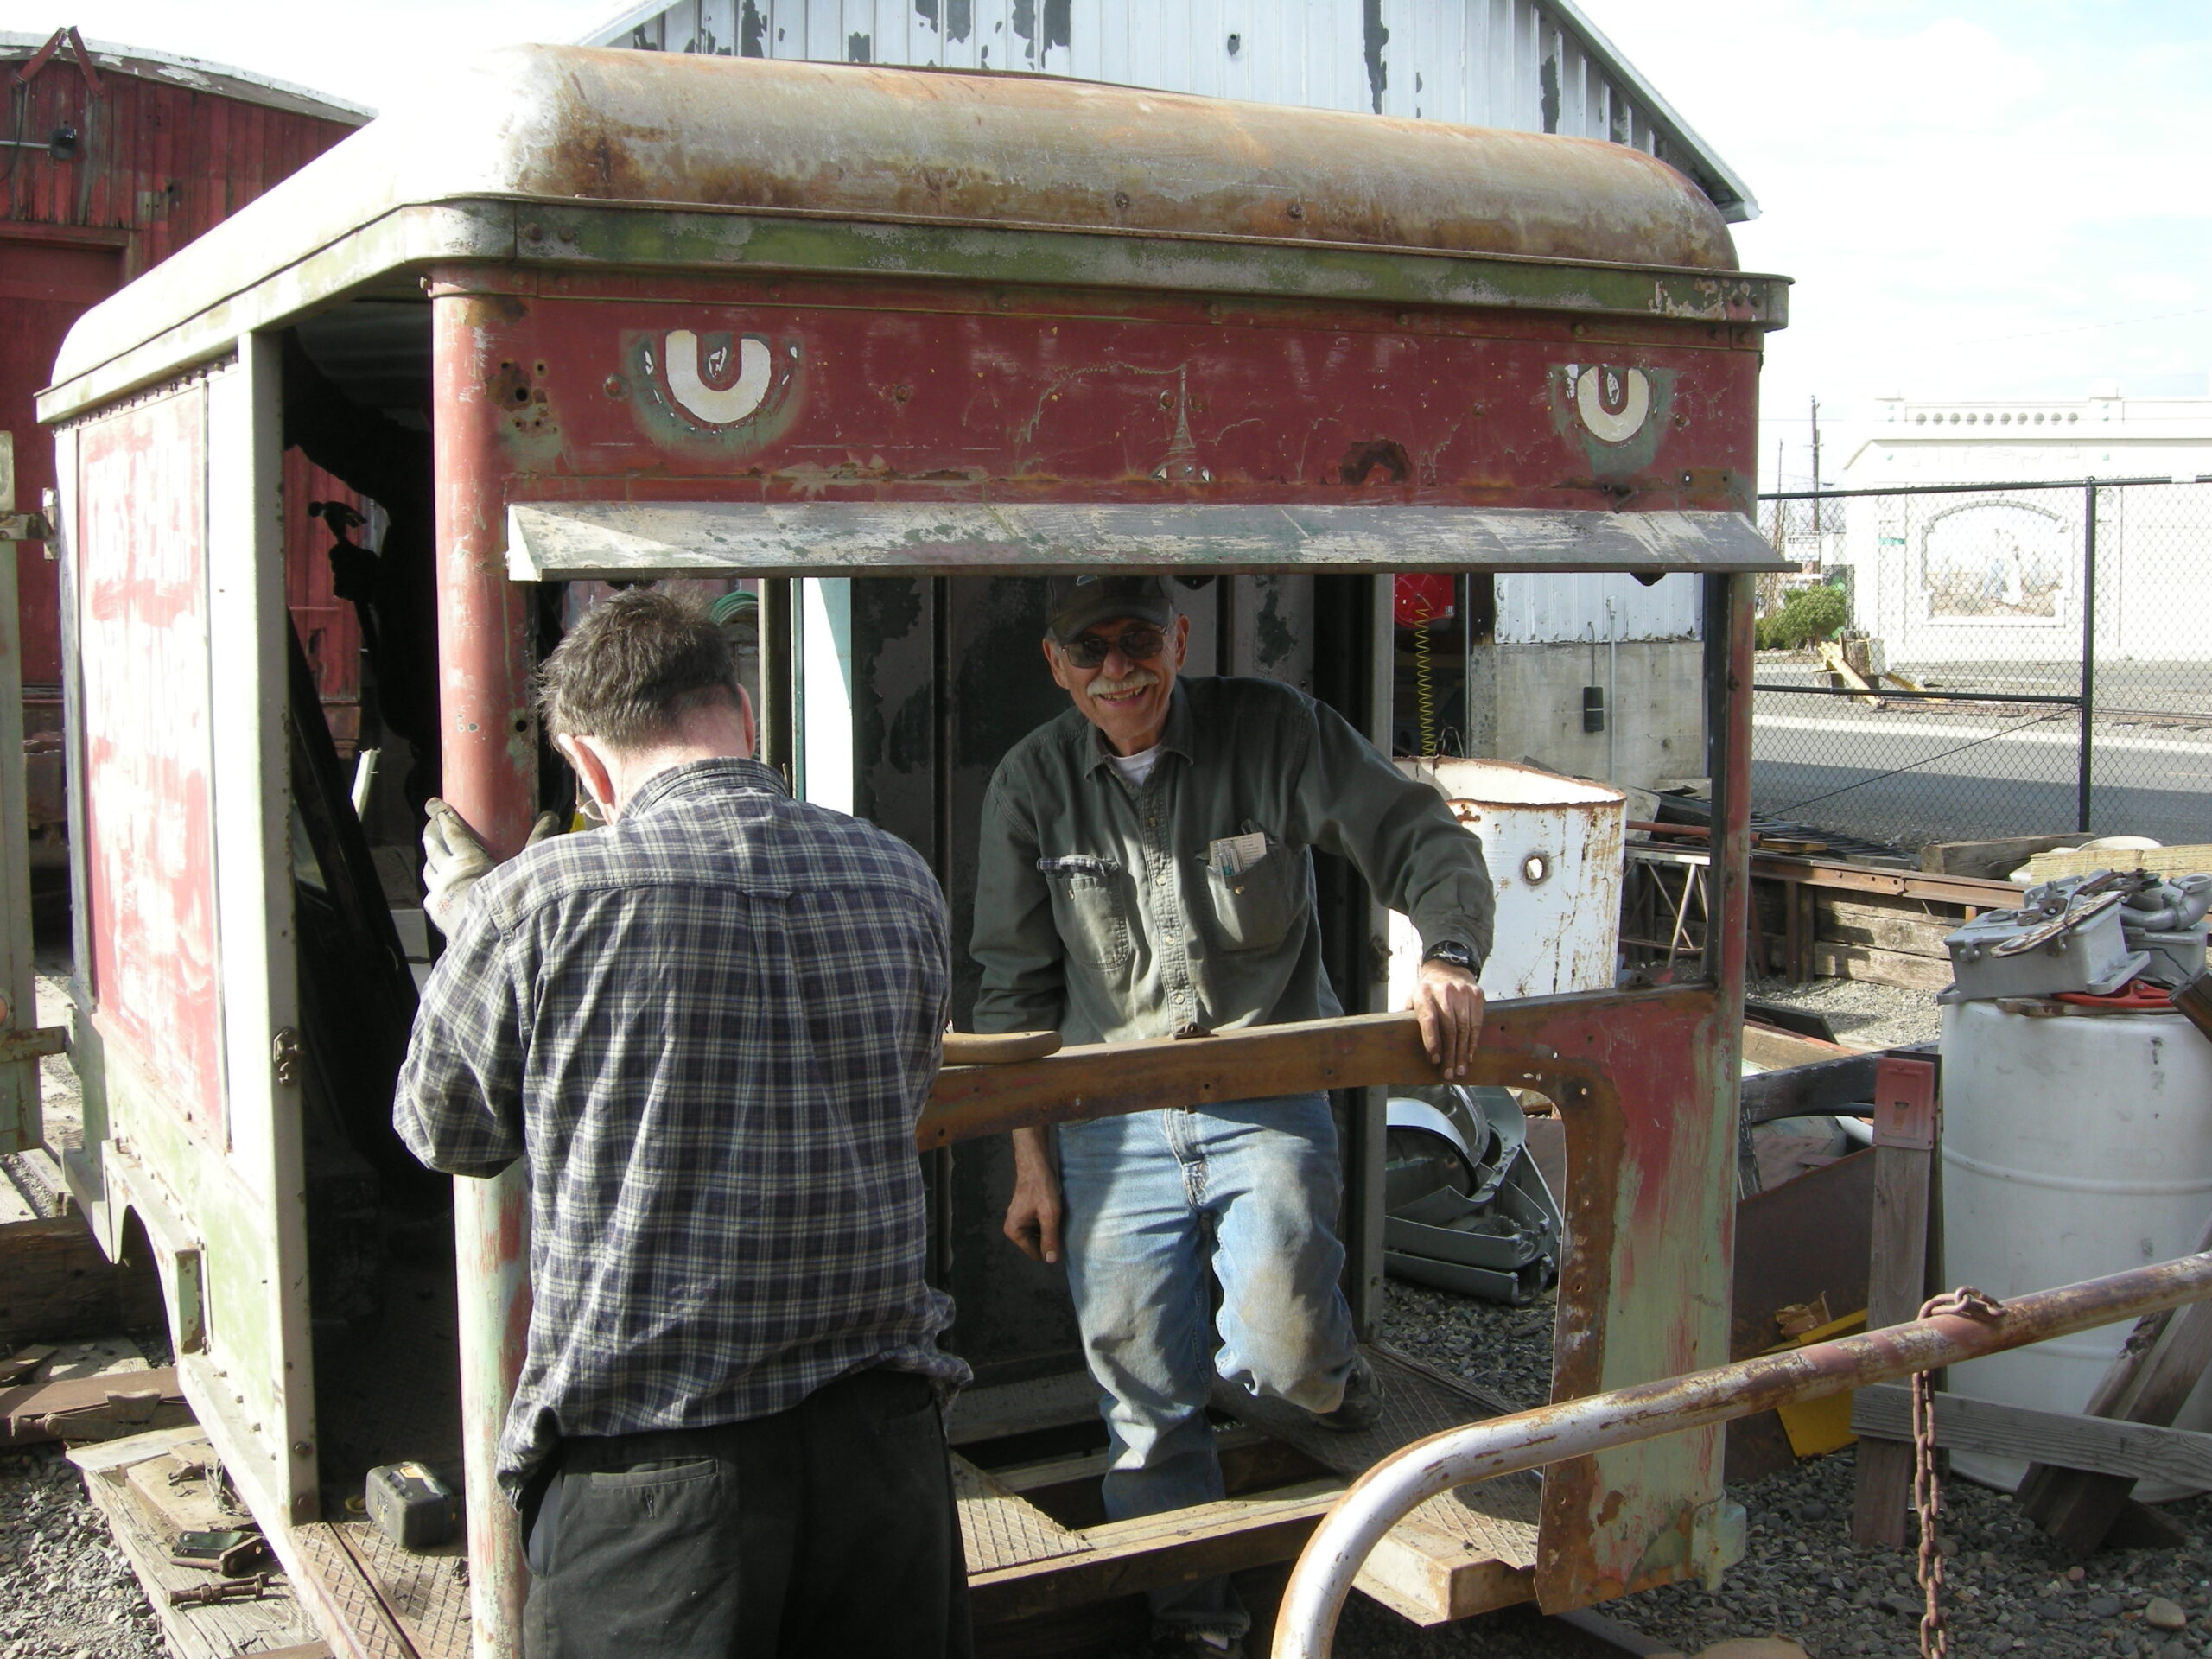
1971	662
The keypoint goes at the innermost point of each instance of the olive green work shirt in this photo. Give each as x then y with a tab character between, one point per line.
1099	912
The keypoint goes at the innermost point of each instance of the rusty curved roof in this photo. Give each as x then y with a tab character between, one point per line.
580	128
1049	153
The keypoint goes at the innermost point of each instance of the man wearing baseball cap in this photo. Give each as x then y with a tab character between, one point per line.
1145	871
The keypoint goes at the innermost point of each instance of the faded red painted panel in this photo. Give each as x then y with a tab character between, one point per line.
824	391
142	622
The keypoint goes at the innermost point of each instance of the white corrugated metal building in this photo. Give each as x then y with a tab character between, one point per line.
1538	66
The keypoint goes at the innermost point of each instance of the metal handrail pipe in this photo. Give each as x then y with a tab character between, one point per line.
1386	1494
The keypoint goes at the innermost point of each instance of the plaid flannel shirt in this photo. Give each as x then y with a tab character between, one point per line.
710	1027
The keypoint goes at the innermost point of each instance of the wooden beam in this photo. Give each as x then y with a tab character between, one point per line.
1860	878
1897	1272
2155	1373
1176	1547
1109	1079
1910	973
2063	1439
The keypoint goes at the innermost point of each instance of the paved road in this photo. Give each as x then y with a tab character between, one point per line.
1914	776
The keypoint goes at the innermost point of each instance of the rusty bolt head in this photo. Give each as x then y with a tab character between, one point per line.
1167	400
1404	317
616	386
533	232
1475	408
568	233
1213	309
1121	200
1296	210
1579	331
301	1448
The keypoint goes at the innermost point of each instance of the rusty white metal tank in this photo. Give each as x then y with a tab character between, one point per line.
1554	848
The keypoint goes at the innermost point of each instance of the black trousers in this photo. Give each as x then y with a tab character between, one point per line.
826	1529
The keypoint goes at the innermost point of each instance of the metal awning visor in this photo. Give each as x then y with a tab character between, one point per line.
633	541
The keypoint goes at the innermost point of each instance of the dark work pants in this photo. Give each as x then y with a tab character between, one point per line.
825	1529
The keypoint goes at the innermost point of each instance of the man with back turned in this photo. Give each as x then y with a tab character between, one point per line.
710	1027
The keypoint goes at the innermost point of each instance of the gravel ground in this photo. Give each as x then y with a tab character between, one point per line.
1863	1015
66	1592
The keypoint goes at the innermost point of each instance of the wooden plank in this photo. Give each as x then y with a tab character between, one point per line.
1779	1050
193	1632
1896	1271
1106	1079
1860	878
2063	1439
1103	1079
1990	861
1905	935
2164	861
2153	1376
1910	972
1889	923
83	1408
1176	1547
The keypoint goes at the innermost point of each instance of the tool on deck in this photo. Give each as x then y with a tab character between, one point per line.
255	1588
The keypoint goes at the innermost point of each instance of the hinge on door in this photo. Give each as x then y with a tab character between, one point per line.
285	1055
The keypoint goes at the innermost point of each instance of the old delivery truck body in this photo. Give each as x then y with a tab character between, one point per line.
889	345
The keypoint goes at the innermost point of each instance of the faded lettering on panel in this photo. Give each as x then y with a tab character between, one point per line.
142	621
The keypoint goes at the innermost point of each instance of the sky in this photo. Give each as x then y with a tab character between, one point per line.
1976	198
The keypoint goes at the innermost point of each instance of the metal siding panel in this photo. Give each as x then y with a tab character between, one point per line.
1553	610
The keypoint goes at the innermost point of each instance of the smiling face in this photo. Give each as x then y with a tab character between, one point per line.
1125	698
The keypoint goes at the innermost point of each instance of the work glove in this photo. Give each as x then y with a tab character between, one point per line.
455	859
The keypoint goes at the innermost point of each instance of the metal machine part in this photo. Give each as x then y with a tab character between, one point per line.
2067	936
2160	916
1466	1209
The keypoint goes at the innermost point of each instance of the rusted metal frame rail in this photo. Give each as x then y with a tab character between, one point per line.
1306	1627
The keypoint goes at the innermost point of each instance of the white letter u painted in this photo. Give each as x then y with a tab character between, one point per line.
1612	426
717	405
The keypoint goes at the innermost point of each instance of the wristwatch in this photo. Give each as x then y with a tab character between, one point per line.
1452	953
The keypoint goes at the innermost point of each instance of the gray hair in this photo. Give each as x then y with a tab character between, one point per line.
634	667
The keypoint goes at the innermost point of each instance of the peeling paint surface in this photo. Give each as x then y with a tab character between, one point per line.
142	649
793	391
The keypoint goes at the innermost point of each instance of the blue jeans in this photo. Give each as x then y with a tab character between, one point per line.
1155	1202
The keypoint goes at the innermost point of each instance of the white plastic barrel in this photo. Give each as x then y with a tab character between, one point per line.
2073	1145
1554	847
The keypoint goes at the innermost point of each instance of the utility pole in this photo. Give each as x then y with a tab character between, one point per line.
1779	506
1817	525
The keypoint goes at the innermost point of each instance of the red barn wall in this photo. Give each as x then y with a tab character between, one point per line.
156	162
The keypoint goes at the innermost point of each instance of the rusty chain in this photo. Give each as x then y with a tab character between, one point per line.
1965	1302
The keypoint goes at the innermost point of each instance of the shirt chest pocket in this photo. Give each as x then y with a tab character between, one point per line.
1090	910
1256	908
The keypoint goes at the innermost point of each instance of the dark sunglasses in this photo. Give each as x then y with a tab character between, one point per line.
1139	644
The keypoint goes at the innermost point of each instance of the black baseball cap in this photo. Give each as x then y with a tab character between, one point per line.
1074	603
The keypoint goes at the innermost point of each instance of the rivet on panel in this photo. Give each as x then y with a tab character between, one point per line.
1296	210
616	386
533	232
